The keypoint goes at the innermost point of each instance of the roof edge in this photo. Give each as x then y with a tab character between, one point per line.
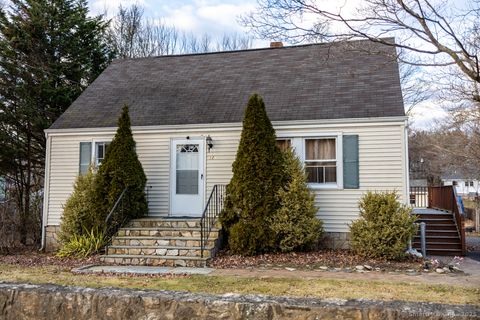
232	125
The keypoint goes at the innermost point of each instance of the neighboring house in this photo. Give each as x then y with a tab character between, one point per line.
340	107
464	187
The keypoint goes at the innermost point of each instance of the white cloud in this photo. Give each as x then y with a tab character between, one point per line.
426	115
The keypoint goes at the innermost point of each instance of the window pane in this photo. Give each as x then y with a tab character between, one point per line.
320	149
100	151
284	144
187	169
321	172
85	156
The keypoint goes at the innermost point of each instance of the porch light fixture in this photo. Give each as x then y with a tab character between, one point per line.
209	142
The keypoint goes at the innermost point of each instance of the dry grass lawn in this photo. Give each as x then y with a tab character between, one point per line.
318	288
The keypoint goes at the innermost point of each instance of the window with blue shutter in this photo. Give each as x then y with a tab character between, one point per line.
351	178
85	157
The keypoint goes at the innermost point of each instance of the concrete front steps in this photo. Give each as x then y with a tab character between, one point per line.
168	242
442	236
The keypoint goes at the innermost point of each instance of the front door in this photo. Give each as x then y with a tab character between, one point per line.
187	177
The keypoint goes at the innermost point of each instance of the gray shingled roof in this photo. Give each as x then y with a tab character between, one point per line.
320	81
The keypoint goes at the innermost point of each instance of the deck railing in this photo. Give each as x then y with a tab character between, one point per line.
419	197
210	214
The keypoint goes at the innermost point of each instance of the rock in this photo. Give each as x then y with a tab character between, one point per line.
439	270
378	269
367	267
325	268
359	268
290	269
410	270
457	269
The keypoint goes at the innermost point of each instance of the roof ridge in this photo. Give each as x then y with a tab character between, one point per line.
320	44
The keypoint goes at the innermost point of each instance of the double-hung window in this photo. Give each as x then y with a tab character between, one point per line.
91	152
100	151
283	144
321	160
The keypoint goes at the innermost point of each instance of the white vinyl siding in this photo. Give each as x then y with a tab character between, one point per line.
381	163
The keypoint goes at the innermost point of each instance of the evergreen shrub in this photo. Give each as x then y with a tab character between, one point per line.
251	194
384	228
121	169
80	211
295	224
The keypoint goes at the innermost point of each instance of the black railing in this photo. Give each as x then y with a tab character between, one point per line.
117	211
419	197
210	214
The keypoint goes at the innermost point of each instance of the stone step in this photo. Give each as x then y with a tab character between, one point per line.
152	260
159	251
165	222
165	232
160	241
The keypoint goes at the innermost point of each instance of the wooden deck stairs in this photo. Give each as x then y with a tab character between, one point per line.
442	211
442	235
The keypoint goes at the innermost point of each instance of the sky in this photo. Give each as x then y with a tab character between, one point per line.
218	17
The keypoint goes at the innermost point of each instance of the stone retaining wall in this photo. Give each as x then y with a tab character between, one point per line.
23	301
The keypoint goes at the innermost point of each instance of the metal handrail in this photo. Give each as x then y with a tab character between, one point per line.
120	198
212	210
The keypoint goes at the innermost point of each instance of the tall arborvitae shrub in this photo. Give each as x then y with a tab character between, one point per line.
294	224
384	228
257	175
80	213
119	169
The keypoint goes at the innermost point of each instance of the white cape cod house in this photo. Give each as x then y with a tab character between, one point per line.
339	105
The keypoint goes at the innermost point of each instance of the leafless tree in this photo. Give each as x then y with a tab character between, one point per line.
435	31
135	36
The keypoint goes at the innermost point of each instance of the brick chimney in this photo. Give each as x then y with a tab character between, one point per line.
276	44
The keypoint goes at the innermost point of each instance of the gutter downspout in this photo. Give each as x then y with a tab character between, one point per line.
407	165
46	184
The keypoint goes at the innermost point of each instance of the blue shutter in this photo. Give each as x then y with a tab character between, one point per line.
351	178
85	157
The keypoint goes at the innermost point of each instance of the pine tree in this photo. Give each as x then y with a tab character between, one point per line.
257	175
294	224
50	51
121	169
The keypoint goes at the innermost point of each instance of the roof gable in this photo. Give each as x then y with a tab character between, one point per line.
309	82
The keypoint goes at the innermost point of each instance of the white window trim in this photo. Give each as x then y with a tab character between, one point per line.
93	155
298	144
94	151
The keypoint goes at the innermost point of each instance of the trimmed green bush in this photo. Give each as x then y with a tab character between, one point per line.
384	228
294	223
119	169
85	245
257	175
80	211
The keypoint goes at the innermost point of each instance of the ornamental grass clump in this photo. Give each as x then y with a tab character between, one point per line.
84	245
384	228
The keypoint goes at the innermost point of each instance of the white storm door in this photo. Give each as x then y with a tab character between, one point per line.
187	177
